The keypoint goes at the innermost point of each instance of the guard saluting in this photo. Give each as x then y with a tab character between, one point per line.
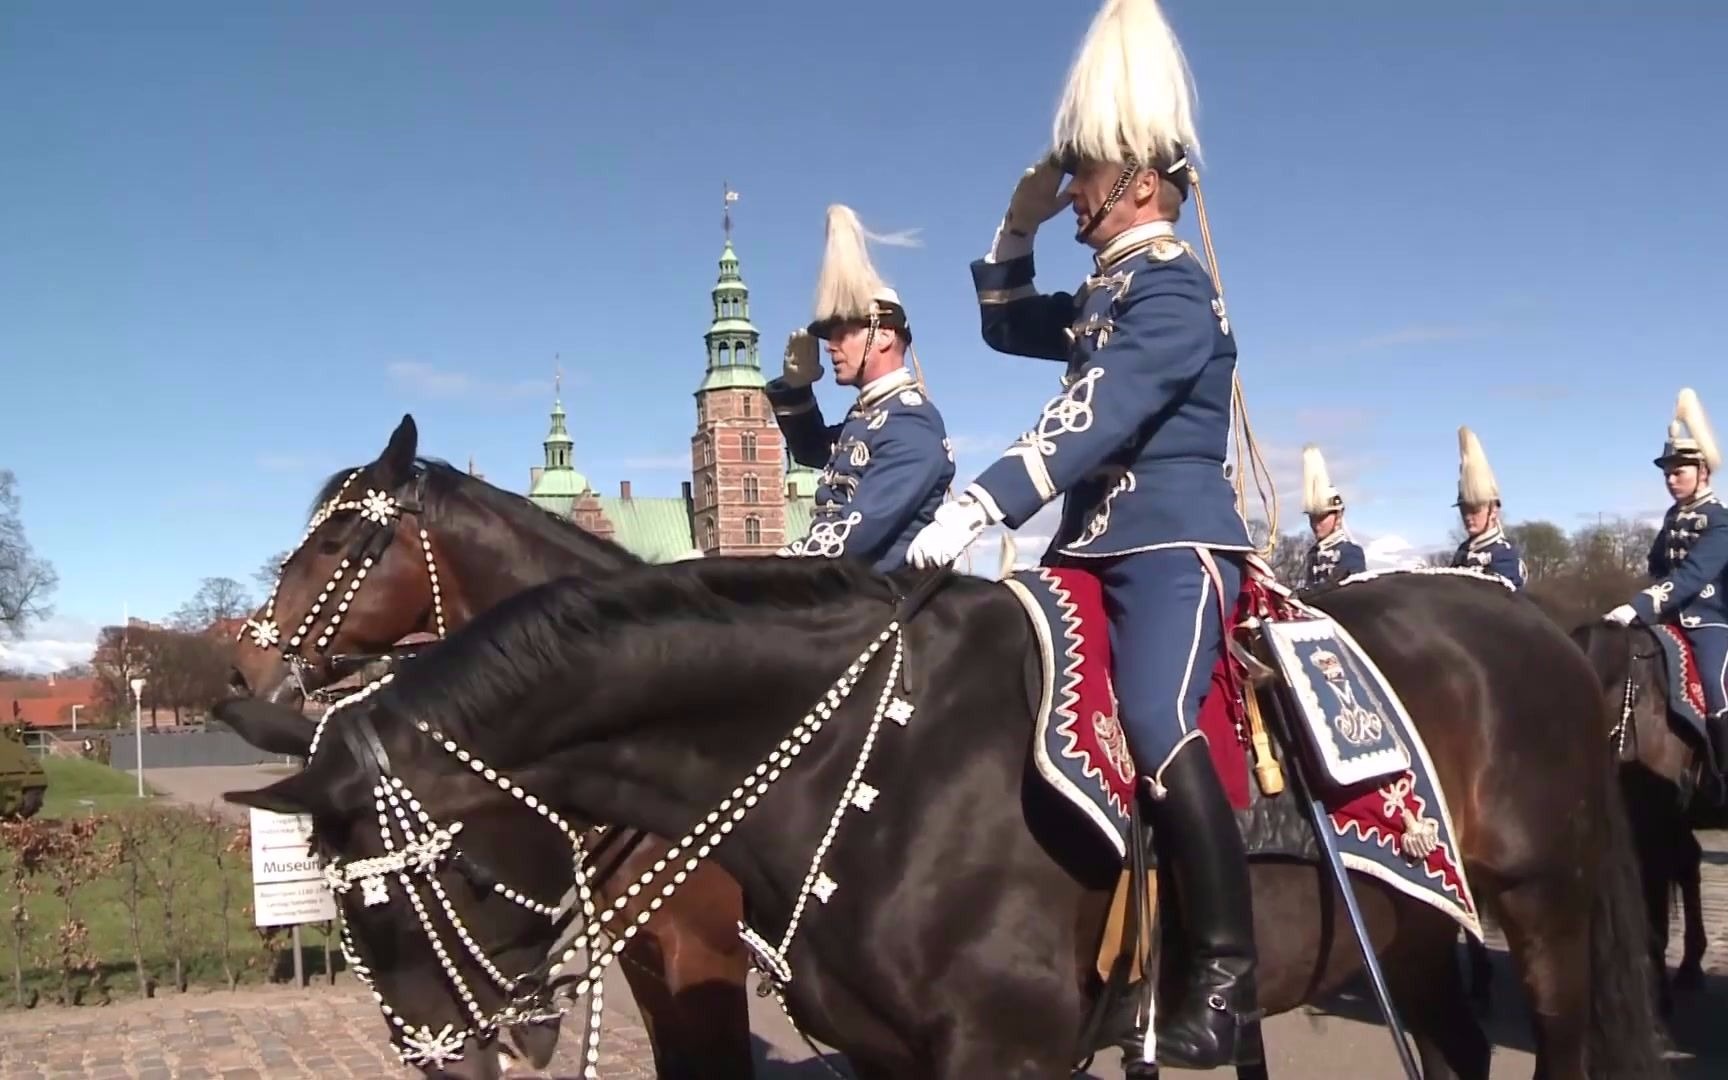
1486	545
1334	555
1137	442
887	467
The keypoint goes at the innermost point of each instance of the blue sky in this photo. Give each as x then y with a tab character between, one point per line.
236	245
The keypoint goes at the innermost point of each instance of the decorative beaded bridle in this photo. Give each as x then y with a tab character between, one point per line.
417	848
379	509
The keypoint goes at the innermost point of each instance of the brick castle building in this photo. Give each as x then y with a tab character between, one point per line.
744	495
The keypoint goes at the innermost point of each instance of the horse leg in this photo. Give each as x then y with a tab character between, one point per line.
1481	970
1428	989
1688	873
1547	926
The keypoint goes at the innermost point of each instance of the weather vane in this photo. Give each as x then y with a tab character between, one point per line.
558	375
726	210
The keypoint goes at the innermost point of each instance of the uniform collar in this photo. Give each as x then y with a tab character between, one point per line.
1699	499
1336	537
1131	241
1493	536
877	390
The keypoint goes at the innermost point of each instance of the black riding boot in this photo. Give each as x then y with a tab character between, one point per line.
1717	728
1195	833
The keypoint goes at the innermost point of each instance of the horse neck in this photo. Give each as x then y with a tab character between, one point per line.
492	556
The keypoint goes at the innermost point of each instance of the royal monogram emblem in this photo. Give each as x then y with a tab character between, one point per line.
1346	706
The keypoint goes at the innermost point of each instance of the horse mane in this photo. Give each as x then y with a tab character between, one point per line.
575	637
442	478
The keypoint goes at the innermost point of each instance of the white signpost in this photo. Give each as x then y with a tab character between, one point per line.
288	886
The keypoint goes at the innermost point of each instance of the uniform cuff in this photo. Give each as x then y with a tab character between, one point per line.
1005	281
789	400
1008	487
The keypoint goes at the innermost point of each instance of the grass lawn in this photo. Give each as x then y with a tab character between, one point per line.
180	863
78	788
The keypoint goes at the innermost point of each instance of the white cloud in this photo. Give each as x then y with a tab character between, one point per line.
51	645
428	381
1391	552
905	238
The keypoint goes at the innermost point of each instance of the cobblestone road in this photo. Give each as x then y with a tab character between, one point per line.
336	1031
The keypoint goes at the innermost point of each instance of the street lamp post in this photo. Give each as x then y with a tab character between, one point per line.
138	728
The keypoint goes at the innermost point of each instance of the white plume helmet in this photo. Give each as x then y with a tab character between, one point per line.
1690	439
1476	484
849	288
1129	90
1318	494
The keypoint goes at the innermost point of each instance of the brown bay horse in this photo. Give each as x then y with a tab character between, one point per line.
959	939
687	970
1660	775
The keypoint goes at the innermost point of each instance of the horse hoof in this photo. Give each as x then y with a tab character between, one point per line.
1689	977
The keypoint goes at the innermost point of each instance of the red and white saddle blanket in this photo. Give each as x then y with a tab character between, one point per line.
1388	814
1685	683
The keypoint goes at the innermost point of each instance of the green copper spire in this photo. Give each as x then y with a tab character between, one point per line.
558	479
732	339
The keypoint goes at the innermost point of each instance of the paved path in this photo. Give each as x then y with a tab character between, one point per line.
337	1031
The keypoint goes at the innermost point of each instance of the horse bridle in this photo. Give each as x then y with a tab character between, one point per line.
380	511
532	995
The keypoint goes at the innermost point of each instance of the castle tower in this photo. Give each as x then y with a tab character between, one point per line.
557	486
737	457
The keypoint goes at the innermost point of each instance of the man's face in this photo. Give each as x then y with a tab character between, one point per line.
1476	519
1683	481
849	349
1324	525
1091	187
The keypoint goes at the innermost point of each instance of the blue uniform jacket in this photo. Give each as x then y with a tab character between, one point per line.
1138	438
1492	552
1333	559
886	468
1689	561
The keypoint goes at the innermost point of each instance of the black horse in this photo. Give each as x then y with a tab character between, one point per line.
955	920
1660	778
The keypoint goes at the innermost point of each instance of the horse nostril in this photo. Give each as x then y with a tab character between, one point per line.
237	682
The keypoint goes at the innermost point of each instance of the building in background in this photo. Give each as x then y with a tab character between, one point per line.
744	496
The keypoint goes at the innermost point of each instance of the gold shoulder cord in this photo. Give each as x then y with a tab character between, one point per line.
1247	446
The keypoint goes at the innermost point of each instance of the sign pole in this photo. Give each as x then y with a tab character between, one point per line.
299	964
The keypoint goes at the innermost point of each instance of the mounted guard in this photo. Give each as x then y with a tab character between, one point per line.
887	466
1334	556
1689	562
1137	442
1486	545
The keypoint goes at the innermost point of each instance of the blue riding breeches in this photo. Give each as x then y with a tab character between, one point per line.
1166	636
1710	649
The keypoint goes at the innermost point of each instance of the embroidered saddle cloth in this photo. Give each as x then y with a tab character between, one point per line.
1685	688
1384	804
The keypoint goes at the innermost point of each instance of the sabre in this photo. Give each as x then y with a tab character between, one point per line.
1371	963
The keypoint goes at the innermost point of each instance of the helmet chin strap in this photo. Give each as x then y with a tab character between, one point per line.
1129	171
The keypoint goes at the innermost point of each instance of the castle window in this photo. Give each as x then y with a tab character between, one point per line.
752	490
752	530
723	354
708	534
708	491
707	450
748	442
749	406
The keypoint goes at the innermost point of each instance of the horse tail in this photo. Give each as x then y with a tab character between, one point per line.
1623	1043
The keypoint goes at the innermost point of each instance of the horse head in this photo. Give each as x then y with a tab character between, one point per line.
451	909
361	578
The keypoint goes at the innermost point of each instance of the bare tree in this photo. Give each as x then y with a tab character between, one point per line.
26	582
218	599
1546	549
265	576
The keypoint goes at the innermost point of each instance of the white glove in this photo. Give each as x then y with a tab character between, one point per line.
802	363
1037	198
945	539
1622	615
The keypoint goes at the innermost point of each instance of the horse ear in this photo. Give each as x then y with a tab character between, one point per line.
267	726
295	794
397	460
